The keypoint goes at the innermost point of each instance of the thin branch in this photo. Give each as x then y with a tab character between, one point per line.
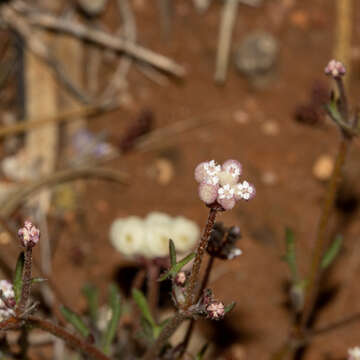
13	201
104	39
35	45
62	117
73	341
228	19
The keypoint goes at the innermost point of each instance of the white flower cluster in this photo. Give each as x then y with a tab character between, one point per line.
221	183
149	237
8	292
354	353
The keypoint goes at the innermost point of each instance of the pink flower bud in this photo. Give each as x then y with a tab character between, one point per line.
208	193
335	69
180	278
216	310
29	234
227	204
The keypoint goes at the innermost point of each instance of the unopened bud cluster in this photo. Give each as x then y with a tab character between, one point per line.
222	242
220	183
29	234
8	293
210	307
334	68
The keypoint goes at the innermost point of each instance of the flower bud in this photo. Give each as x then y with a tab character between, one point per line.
334	68
29	234
216	310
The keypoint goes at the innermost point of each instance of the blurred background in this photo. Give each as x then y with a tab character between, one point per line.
147	89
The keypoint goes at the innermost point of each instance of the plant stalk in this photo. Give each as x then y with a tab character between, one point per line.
190	291
315	269
26	281
73	341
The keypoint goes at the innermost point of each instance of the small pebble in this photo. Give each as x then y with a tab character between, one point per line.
241	117
323	167
269	178
300	19
270	128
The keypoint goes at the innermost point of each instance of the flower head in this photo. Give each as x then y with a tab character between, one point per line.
29	234
184	233
354	353
220	184
128	236
216	310
334	68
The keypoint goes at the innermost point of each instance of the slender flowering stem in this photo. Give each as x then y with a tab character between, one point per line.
26	281
191	326
190	291
315	270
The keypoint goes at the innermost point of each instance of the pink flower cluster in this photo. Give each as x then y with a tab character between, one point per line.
216	310
29	234
220	183
335	69
8	293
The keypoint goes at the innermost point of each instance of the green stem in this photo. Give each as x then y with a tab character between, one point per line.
315	269
165	334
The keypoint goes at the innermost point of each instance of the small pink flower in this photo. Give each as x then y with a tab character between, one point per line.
216	310
219	184
244	190
180	278
208	193
335	69
212	168
225	192
8	291
29	234
232	167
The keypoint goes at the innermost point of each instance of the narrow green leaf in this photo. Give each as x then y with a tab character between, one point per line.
141	302
290	254
115	305
331	252
201	353
172	253
18	276
75	320
37	280
229	307
182	263
177	267
92	296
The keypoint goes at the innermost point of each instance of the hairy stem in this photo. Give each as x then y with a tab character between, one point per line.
73	341
315	269
190	291
26	281
191	326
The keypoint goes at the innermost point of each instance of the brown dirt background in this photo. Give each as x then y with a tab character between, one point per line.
255	280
